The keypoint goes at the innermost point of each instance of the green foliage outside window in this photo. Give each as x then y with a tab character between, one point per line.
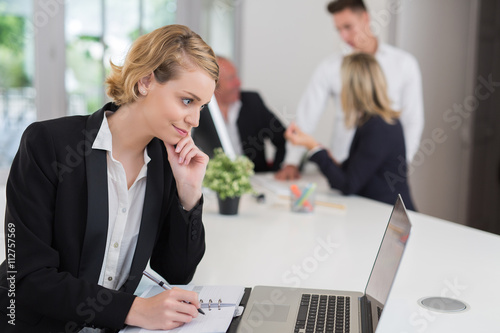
12	49
87	69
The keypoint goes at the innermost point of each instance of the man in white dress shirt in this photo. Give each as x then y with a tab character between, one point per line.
402	72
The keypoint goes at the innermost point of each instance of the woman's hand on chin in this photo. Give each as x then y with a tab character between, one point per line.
188	165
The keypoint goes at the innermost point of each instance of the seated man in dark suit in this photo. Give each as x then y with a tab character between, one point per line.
247	120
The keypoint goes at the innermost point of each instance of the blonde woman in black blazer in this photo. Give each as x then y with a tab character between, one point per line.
376	167
59	197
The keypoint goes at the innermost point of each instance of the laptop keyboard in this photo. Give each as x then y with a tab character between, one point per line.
323	313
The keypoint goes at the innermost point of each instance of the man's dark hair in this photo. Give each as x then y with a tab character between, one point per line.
339	5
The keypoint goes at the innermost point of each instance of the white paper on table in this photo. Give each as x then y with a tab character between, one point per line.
215	320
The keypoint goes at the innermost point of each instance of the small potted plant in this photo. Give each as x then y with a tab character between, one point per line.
229	179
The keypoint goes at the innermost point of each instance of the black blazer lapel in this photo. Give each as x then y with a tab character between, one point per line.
205	136
251	125
94	242
150	215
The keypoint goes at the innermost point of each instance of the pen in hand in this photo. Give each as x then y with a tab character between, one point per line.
165	286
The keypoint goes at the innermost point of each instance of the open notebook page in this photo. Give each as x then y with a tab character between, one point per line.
214	320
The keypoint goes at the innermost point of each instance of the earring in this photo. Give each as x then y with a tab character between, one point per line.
143	92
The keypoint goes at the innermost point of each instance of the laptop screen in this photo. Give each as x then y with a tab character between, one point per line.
388	259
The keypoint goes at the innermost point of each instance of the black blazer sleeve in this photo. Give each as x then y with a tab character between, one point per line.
371	145
277	136
256	123
180	244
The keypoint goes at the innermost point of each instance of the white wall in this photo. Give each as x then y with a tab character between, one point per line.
284	40
441	34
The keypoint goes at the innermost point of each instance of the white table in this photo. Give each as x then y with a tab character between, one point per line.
267	244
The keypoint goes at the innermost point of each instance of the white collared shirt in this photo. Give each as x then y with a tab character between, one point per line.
125	212
404	85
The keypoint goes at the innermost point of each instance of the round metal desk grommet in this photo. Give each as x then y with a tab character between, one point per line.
443	304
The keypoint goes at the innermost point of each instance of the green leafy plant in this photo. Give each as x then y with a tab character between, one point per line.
229	178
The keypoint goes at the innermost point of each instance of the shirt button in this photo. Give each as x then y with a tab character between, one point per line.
110	278
115	245
124	210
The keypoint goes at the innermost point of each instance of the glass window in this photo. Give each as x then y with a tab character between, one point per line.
218	27
95	32
100	30
17	94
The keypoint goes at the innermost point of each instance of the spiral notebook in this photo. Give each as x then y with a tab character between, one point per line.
219	303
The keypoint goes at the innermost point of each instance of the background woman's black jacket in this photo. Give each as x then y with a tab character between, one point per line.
376	167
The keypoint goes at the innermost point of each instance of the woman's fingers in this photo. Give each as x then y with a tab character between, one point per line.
186	150
166	310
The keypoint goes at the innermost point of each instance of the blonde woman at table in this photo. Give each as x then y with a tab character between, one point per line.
376	166
91	199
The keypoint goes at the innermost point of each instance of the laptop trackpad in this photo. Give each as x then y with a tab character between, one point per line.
269	312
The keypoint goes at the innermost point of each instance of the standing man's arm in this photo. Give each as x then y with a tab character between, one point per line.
309	110
412	103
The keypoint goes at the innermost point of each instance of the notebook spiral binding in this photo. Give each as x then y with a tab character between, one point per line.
219	302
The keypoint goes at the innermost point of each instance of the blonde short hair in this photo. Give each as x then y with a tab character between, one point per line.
364	90
163	52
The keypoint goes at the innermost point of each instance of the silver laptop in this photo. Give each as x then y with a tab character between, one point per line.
284	309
